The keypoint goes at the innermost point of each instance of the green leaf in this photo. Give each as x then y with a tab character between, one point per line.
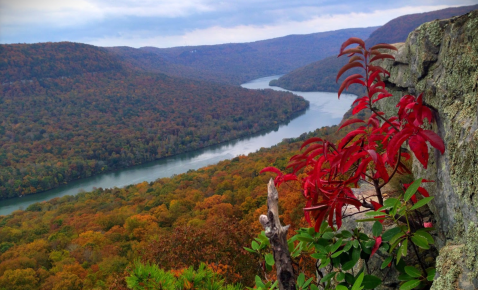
336	254
249	250
374	213
371	219
420	241
327	277
358	282
341	287
410	285
389	234
324	263
323	226
349	278
340	276
355	254
307	283
389	202
421	202
346	234
370	243
347	246
349	265
370	281
386	262
300	279
255	245
259	282
305	239
396	237
412	189
405	277
270	259
318	256
426	235
328	236
355	243
377	229
402	251
431	274
413	272
320	248
336	246
314	287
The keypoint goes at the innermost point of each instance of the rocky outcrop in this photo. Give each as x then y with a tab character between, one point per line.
440	60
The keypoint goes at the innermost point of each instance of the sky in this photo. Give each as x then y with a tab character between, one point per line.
169	23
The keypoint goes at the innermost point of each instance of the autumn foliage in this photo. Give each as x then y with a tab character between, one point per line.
72	111
371	153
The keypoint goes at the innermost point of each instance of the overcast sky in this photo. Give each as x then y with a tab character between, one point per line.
167	23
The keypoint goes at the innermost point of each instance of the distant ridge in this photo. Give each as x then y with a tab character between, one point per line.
320	75
236	63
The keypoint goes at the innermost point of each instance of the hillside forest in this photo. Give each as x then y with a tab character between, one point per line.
90	114
90	241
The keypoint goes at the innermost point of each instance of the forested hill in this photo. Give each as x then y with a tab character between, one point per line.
236	63
52	60
70	110
320	75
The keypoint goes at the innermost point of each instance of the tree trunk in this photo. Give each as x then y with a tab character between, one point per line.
278	238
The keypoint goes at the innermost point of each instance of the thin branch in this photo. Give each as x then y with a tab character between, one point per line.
394	170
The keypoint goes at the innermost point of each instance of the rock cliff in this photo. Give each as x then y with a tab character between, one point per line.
440	60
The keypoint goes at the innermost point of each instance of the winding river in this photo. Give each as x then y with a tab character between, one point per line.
324	110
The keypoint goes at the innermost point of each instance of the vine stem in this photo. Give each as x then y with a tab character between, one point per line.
419	259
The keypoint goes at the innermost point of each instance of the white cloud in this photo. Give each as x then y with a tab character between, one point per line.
74	12
248	33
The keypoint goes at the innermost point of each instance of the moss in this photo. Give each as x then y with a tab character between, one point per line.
471	250
448	267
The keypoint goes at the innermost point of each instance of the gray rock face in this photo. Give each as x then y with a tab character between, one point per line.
440	60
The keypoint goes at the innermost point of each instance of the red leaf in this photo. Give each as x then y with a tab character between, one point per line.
378	242
377	159
382	56
347	200
373	68
434	139
423	191
352	160
355	57
383	46
271	169
346	68
350	41
372	77
376	205
349	137
419	148
320	219
396	143
350	121
351	51
311	140
359	107
347	81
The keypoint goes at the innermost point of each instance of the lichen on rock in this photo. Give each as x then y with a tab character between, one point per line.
440	60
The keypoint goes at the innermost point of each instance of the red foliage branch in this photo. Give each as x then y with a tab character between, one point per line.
371	153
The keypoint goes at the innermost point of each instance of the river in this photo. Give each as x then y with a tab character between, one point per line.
325	110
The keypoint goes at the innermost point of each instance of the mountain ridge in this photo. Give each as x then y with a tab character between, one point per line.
320	75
